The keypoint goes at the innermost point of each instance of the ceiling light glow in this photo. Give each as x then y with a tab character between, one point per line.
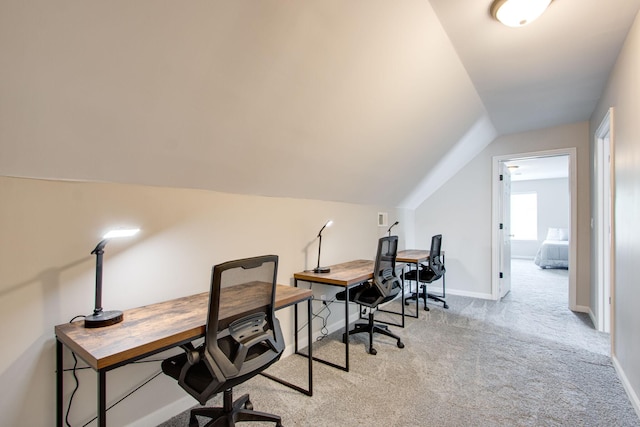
516	13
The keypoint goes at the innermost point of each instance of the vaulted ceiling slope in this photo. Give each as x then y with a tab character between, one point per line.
359	101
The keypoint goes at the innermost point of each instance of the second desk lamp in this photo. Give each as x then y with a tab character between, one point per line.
319	269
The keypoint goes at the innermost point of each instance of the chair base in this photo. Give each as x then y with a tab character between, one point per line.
372	328
231	412
423	295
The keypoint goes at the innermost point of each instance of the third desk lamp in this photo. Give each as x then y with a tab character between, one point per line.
319	269
392	225
99	317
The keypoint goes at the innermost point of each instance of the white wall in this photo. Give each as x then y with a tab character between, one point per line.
623	94
49	228
461	210
553	211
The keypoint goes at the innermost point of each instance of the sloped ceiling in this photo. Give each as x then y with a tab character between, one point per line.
357	101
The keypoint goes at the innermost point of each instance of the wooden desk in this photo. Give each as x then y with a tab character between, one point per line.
345	275
152	329
415	257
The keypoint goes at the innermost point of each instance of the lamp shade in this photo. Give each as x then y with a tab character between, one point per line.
516	13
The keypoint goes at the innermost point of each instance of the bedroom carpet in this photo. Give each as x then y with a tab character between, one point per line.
525	361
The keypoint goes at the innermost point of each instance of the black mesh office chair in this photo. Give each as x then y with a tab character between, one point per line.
243	337
384	287
429	273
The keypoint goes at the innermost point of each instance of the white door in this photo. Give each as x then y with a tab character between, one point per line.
505	230
604	221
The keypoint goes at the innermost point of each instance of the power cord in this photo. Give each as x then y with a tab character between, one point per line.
75	377
77	385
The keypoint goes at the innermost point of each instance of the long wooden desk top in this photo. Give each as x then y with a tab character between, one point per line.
412	255
153	328
345	274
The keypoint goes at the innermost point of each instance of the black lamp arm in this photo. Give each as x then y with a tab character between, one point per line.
392	225
99	247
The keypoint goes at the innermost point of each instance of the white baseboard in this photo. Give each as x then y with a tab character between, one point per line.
165	413
461	293
585	309
592	316
633	396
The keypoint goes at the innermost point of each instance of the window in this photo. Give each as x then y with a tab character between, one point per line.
524	216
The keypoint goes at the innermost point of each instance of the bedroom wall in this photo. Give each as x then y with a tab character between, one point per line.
553	211
461	210
48	230
623	94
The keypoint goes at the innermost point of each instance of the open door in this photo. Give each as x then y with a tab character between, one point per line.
604	221
505	230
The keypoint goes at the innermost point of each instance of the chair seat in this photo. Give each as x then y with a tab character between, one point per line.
426	275
367	295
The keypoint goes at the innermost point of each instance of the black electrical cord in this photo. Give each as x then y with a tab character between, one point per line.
324	330
128	394
75	377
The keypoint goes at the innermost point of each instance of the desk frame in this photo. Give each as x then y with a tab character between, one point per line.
416	257
346	275
87	343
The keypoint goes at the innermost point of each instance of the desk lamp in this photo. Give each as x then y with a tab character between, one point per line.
101	318
392	225
319	269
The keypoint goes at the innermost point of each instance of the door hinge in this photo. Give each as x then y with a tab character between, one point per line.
501	226
501	177
501	275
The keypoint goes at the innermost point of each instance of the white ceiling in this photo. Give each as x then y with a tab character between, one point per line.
547	73
361	101
539	168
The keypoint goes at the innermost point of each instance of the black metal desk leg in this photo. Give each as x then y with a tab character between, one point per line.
59	385
346	329
102	398
309	337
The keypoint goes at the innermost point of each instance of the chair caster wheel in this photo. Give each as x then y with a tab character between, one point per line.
248	405
426	308
373	351
446	306
400	344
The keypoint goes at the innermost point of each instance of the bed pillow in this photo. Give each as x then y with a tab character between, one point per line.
557	234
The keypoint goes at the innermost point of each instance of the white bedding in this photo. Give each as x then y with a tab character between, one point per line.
553	254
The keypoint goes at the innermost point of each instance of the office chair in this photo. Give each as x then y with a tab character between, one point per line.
384	287
429	273
242	338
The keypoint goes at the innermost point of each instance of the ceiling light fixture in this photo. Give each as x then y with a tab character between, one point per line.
516	13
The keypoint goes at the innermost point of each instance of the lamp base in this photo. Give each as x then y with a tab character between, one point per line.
322	270
103	318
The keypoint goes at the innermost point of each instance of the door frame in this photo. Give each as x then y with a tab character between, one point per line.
605	275
573	216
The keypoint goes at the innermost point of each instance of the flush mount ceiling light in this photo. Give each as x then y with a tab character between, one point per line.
516	13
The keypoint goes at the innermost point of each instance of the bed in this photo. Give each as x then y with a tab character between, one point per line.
554	250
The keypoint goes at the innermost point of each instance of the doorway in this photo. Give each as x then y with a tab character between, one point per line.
498	219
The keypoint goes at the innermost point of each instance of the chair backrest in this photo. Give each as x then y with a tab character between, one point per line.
384	273
243	336
435	260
